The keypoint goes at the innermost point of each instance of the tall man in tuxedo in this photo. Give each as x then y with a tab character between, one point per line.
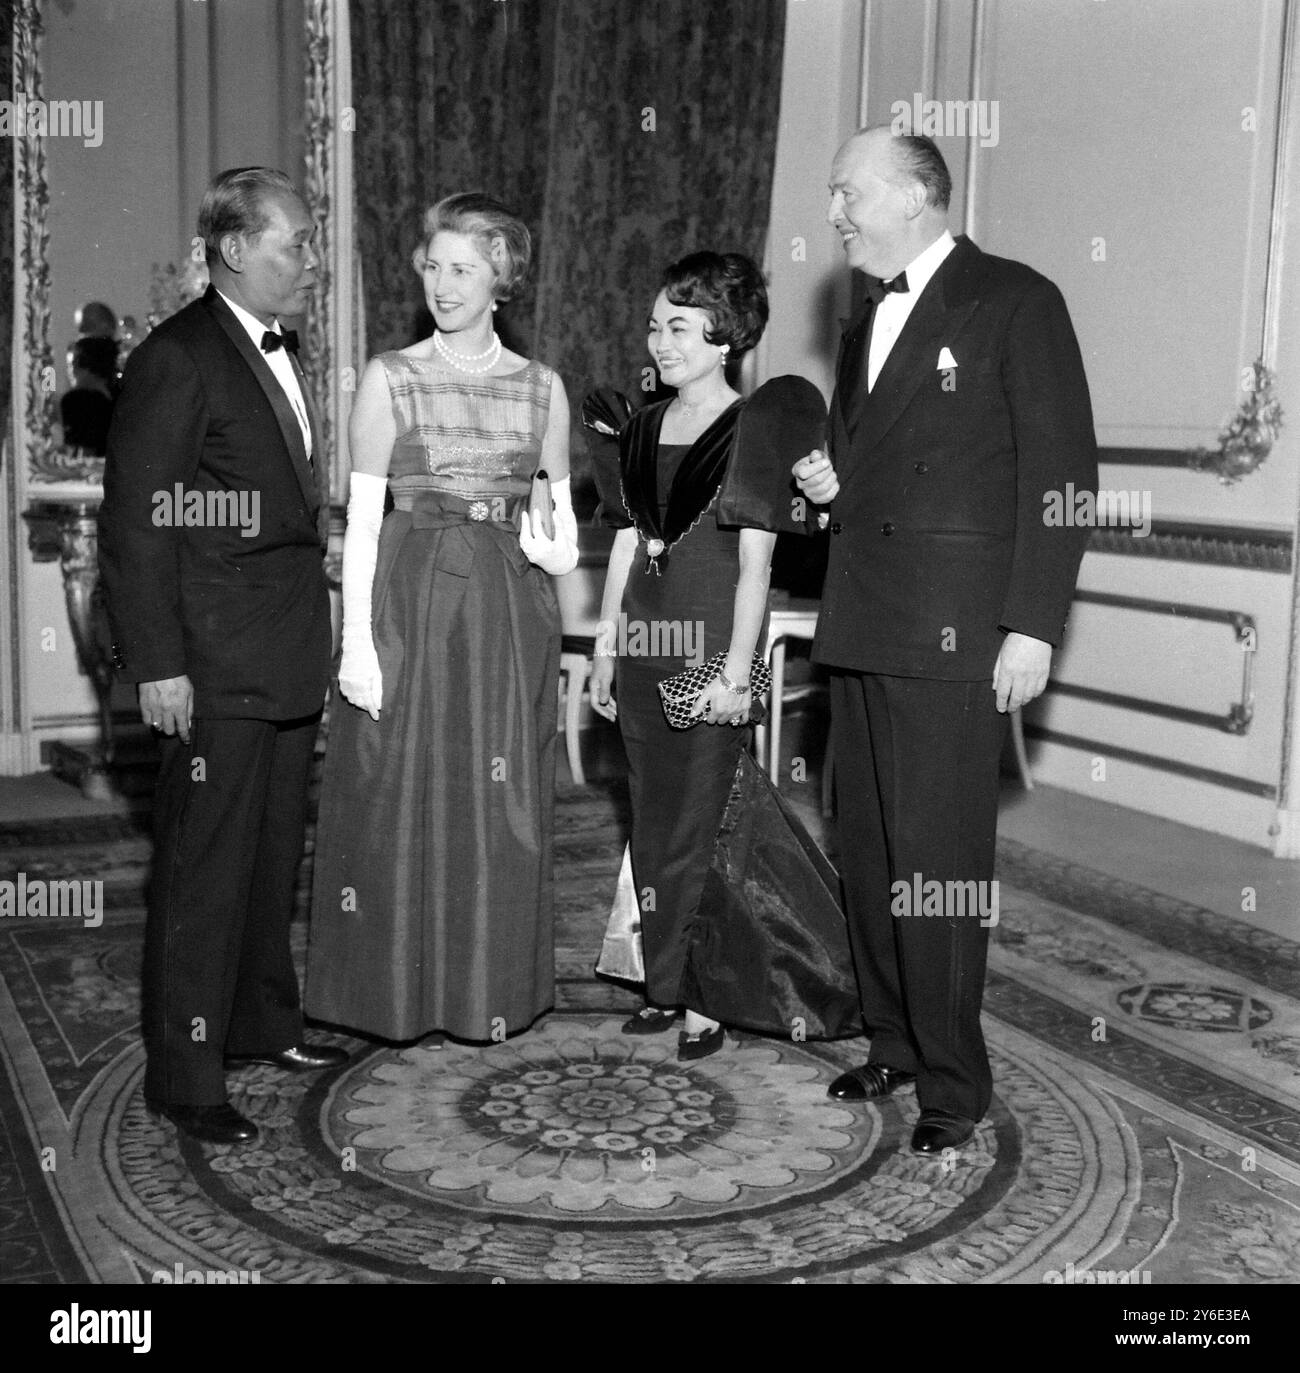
960	404
211	551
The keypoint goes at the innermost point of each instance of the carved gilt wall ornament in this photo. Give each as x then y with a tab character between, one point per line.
1248	438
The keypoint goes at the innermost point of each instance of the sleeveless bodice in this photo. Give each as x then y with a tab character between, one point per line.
473	437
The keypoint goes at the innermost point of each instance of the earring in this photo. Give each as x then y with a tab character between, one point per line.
494	306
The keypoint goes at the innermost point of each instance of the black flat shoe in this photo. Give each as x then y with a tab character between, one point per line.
650	1020
690	1047
868	1082
211	1124
940	1130
303	1058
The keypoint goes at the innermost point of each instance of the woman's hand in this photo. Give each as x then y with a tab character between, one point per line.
360	679
602	679
716	705
556	556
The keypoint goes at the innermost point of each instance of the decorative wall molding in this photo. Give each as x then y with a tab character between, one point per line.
1217	545
334	344
977	41
1228	780
1284	166
317	360
30	352
1236	719
1146	457
35	426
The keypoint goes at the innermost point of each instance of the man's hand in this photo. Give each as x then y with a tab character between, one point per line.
1021	671
816	477
168	705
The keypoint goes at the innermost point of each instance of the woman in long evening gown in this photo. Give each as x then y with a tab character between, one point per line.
737	909
708	581
432	905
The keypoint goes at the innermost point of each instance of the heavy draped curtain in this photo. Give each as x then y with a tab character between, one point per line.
625	134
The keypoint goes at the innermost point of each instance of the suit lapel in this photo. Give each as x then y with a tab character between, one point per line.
934	322
283	411
848	395
851	340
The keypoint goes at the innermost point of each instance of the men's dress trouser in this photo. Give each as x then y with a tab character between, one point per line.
916	788
229	820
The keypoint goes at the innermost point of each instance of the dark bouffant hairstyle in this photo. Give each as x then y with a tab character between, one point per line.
729	288
97	356
499	235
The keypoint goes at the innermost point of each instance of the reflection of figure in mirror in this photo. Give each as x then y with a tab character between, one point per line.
96	320
85	410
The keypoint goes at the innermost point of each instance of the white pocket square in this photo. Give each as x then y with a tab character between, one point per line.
946	359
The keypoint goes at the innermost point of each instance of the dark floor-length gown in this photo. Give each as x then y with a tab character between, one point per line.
678	780
432	902
735	908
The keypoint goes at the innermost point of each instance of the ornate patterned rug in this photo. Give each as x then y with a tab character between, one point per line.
1146	1126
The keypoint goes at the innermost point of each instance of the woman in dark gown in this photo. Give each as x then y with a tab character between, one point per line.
432	902
681	588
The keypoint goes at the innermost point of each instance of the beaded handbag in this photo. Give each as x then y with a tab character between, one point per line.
678	692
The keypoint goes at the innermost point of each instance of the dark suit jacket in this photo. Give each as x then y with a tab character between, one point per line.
938	545
246	617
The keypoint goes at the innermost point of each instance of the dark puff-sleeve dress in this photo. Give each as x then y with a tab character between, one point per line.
700	807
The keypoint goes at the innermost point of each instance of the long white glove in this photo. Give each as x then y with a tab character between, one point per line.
560	554
359	676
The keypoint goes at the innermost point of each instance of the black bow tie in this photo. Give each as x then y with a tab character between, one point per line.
878	290
289	338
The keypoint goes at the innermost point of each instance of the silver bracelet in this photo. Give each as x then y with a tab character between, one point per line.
605	653
731	686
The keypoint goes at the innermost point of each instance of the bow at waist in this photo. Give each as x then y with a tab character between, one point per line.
438	509
458	517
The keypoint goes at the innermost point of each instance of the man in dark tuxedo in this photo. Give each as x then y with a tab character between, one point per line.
960	405
211	551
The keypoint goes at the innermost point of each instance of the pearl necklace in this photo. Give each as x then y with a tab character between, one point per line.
461	361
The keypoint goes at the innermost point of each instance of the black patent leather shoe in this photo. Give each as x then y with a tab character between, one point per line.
691	1047
940	1130
303	1058
650	1020
868	1082
211	1124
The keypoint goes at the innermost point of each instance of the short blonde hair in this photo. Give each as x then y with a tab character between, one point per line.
501	236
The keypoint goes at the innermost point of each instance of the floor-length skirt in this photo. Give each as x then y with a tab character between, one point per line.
432	901
678	781
733	911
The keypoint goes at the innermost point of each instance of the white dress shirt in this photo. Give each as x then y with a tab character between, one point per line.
893	310
281	364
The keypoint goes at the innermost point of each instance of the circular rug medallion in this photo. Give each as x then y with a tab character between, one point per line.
572	1120
576	1153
